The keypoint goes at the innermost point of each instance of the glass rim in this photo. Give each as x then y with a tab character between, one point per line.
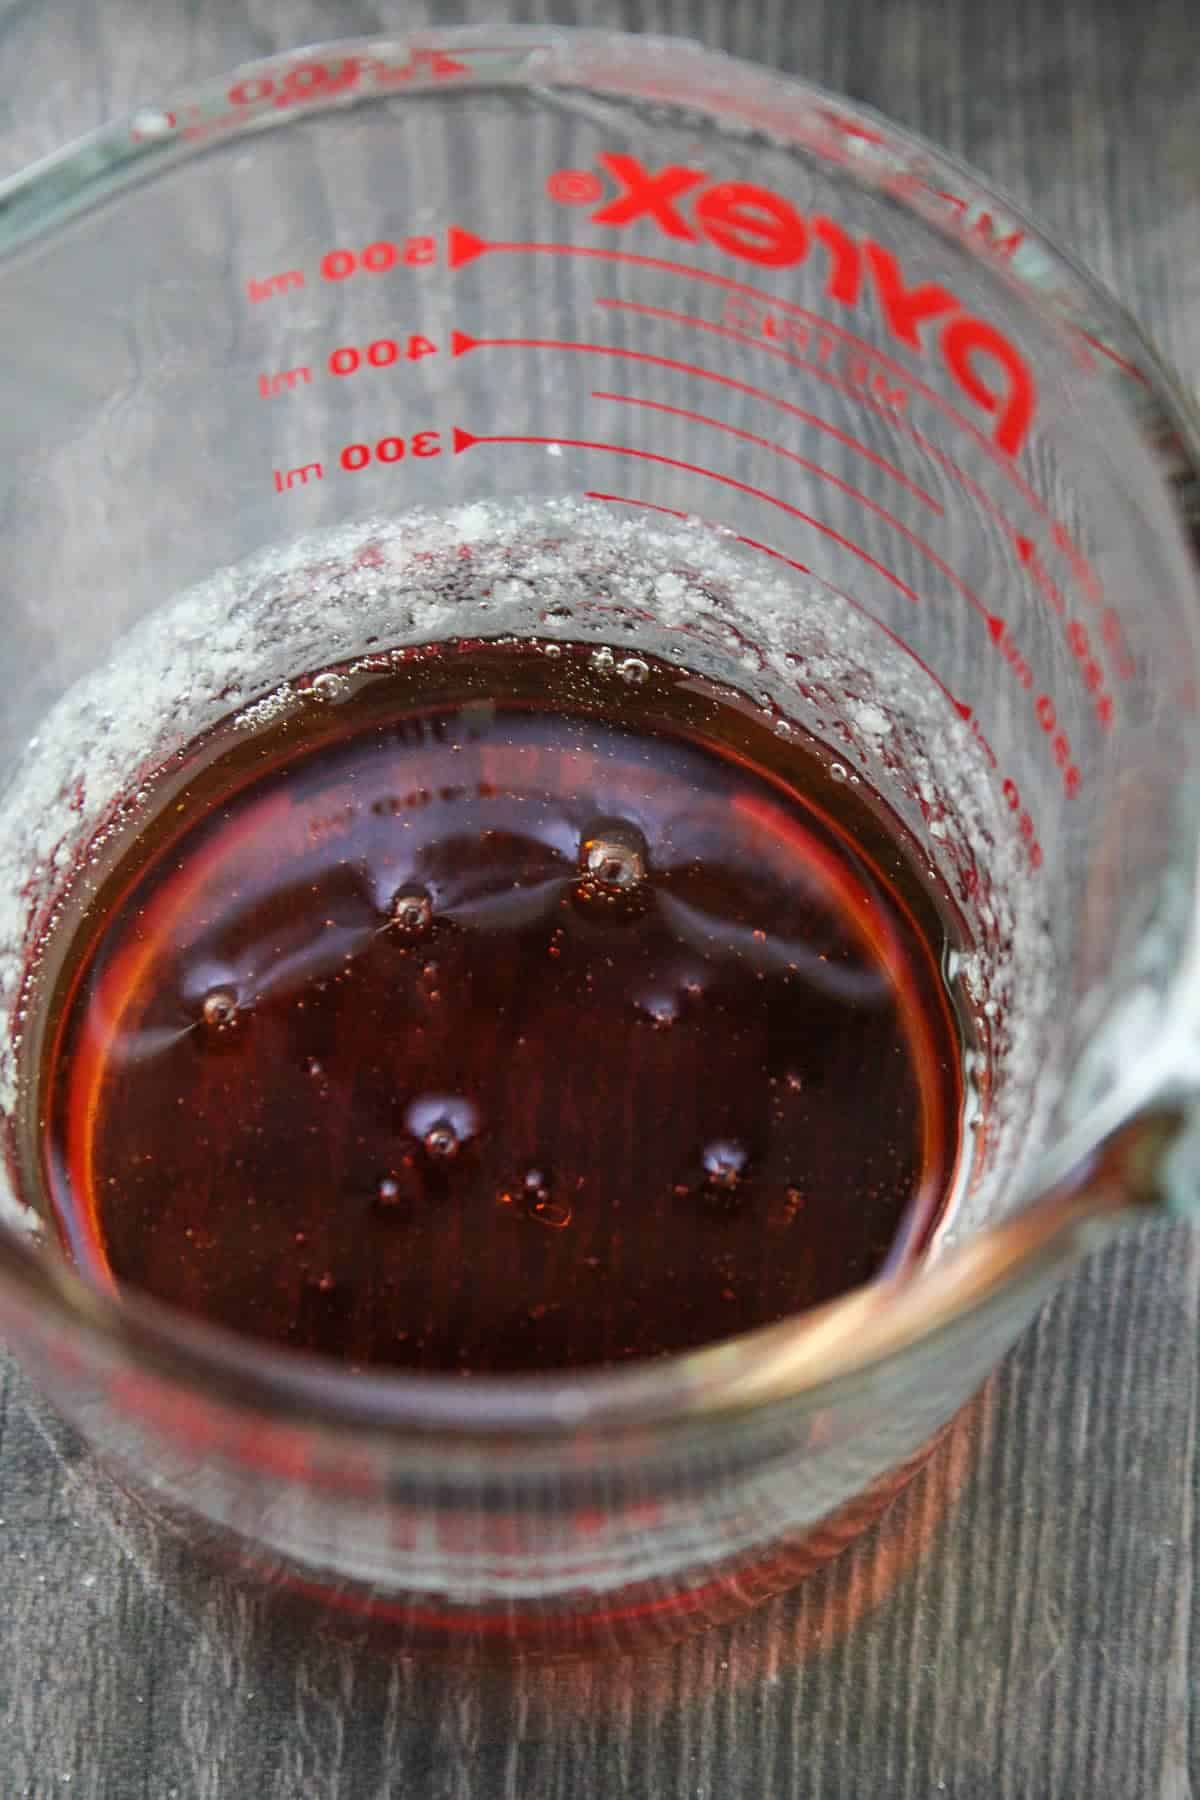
807	1359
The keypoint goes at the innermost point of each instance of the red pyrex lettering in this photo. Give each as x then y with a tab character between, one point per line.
762	227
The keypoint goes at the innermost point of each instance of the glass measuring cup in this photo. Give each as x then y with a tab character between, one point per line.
878	473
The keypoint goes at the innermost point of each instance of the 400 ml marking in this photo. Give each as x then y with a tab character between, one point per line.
349	359
297	84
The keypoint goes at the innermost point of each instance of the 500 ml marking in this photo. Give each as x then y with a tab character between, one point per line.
339	265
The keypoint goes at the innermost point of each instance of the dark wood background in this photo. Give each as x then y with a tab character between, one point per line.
1025	1622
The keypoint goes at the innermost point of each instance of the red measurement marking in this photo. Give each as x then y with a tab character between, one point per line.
756	225
855	392
298	477
1014	659
1027	550
674	512
798	335
1113	356
1022	544
804	569
1025	826
380	353
390	450
378	258
283	381
463	440
961	708
995	625
306	81
464	246
982	226
849	127
461	342
270	285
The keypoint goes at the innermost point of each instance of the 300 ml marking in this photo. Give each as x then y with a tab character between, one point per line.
352	457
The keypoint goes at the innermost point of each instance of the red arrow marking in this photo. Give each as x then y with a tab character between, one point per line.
751	437
463	440
464	246
461	342
964	711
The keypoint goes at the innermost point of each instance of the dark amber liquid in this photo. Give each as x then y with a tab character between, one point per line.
503	1011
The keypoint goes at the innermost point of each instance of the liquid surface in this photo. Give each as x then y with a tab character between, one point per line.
504	1011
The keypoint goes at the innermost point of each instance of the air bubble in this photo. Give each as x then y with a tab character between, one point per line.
603	660
613	858
634	670
724	1163
837	771
219	1008
441	1141
411	910
662	1010
399	1184
442	1124
149	123
328	686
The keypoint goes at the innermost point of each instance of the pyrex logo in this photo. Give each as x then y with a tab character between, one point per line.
758	226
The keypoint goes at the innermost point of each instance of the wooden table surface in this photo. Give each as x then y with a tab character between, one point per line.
1026	1620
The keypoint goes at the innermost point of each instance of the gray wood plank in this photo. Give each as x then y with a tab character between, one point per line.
1025	1623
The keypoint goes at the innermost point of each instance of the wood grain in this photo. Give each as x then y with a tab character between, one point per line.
1024	1625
